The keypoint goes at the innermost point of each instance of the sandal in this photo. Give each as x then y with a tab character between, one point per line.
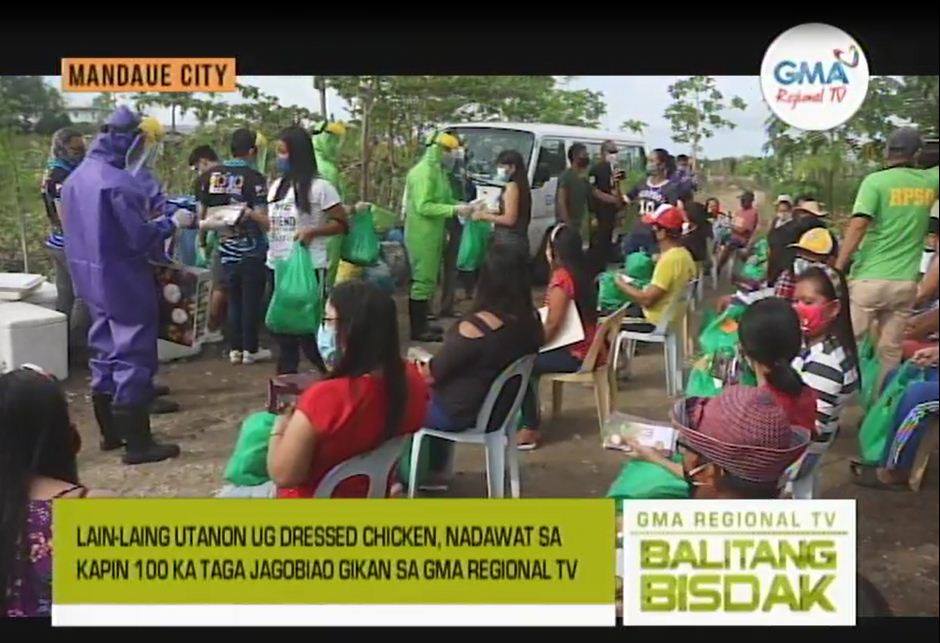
866	475
527	439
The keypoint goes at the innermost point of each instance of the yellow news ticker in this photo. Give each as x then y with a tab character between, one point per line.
148	75
234	551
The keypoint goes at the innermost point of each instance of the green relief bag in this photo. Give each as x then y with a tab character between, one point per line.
870	367
873	435
295	305
640	480
248	465
474	240
361	245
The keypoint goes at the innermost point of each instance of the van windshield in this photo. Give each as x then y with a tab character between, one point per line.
483	144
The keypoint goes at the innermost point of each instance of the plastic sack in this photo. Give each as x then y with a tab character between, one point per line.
295	304
870	367
873	434
640	480
721	332
474	240
702	384
361	243
609	296
639	266
248	465
384	219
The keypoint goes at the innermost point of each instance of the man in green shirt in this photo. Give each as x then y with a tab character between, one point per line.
888	225
574	189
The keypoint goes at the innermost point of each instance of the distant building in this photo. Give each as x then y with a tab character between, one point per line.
90	115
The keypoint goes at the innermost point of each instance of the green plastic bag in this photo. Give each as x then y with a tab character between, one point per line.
609	296
873	435
361	244
639	266
295	305
640	480
870	367
248	465
474	240
384	219
702	384
721	332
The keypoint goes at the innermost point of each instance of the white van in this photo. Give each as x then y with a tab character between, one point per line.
545	149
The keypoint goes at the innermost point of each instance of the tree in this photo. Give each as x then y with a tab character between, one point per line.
697	111
24	100
105	102
633	125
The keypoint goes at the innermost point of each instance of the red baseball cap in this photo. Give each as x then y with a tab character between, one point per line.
666	216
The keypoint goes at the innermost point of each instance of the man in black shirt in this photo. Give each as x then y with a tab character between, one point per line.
806	215
605	177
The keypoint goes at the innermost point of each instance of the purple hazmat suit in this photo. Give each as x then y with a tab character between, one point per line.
109	240
157	206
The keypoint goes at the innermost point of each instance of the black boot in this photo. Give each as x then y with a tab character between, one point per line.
110	436
159	390
134	424
418	314
161	405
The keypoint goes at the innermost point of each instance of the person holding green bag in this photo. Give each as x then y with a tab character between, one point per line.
429	201
735	446
638	266
303	208
893	428
247	470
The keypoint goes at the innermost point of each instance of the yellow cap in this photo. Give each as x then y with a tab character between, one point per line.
818	241
151	128
449	141
336	128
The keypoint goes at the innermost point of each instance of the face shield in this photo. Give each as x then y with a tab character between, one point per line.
146	147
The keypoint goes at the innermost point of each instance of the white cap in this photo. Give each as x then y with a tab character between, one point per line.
784	198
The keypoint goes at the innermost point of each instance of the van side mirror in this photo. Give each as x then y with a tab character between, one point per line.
542	175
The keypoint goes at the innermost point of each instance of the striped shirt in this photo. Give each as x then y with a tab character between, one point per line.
828	370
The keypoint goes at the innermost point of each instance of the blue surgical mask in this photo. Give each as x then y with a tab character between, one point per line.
283	164
326	344
502	174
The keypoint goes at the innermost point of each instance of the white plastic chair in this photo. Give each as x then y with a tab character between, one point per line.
376	465
602	376
666	333
497	443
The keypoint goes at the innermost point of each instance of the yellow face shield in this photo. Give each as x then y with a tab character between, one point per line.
146	147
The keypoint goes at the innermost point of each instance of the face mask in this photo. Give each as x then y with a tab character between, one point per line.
813	318
652	168
801	265
326	344
502	174
75	158
448	160
582	162
283	164
612	158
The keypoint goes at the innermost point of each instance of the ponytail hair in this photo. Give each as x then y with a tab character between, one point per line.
770	336
830	283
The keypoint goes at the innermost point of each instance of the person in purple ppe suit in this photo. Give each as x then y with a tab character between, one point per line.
109	241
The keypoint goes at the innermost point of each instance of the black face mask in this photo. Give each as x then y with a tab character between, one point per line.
582	162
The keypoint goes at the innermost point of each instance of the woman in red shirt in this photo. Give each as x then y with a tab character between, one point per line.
771	339
370	395
570	281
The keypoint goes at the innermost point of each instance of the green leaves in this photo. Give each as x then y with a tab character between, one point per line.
697	111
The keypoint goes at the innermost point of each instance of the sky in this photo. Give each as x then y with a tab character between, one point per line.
642	98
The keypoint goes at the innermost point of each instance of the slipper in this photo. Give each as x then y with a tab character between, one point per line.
866	475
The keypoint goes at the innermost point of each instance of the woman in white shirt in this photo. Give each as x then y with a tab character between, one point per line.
301	207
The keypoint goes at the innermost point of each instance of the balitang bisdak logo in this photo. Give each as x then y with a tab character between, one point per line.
814	76
739	562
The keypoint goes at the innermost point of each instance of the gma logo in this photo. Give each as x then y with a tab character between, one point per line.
788	72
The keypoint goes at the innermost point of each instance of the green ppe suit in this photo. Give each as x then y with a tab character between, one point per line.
429	201
326	149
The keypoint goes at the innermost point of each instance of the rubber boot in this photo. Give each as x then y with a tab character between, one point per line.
418	314
159	390
161	405
110	436
134	424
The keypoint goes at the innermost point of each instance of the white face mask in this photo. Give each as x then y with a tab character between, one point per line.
612	158
801	265
503	173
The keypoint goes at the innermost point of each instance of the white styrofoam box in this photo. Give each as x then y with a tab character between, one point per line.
45	296
14	286
169	351
31	334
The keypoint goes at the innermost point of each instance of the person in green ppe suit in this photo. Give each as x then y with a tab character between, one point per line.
429	202
327	138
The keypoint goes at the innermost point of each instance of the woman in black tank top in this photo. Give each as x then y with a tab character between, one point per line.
511	224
